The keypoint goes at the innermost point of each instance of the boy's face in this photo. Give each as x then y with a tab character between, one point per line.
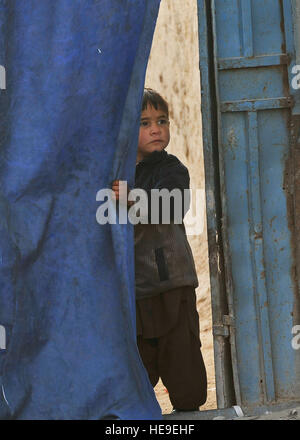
154	132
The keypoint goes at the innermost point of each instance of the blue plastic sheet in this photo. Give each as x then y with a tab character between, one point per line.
68	126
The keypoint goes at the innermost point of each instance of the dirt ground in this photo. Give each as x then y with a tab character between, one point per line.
287	411
284	414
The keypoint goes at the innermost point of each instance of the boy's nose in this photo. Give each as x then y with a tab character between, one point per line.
155	128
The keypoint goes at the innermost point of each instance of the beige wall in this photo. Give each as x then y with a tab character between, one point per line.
173	71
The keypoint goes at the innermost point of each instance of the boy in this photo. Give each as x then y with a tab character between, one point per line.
165	275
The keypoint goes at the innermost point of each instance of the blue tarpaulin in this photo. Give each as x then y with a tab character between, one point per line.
68	126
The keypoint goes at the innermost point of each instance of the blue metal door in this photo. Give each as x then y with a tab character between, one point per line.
246	56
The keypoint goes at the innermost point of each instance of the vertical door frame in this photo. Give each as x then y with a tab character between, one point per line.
227	385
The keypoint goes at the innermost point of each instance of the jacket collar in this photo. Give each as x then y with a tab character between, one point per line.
156	156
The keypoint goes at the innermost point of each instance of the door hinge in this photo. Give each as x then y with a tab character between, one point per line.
224	328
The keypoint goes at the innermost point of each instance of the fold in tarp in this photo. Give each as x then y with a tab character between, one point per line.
75	72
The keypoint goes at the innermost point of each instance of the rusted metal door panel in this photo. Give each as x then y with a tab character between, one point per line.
253	51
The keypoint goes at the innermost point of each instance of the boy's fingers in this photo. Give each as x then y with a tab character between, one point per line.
115	186
116	195
119	190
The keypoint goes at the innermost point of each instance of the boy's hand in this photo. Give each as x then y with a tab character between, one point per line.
121	192
116	188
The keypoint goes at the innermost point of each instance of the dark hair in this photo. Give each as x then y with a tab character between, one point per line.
152	98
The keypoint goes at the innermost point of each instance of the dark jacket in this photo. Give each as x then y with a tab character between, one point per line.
163	257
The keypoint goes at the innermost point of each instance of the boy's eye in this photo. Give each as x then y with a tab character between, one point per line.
163	121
